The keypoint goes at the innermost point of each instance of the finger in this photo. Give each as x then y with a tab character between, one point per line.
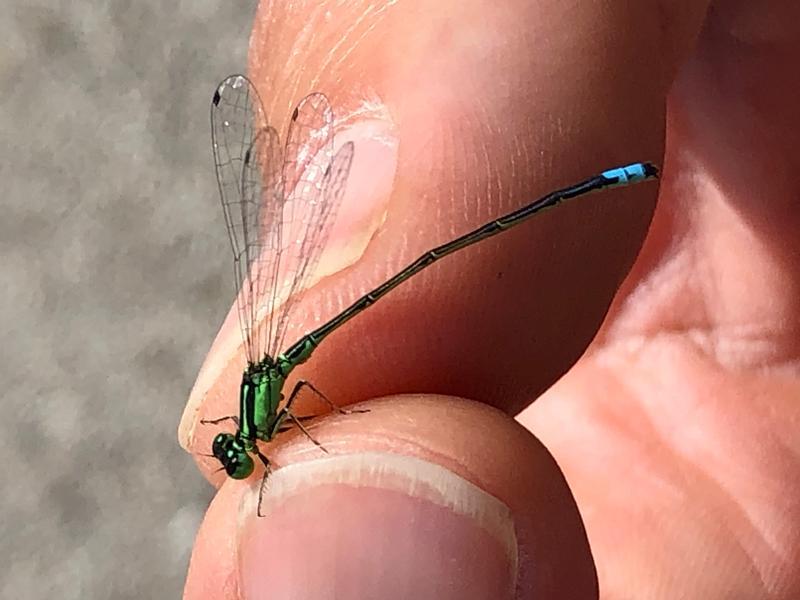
726	231
701	352
422	497
461	111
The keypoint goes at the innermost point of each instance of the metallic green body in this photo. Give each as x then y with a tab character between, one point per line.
259	397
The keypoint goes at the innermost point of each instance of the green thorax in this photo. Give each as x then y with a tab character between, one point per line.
260	395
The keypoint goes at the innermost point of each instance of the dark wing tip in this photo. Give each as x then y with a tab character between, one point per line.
215	100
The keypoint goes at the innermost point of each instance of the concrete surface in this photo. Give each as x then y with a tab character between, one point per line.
115	276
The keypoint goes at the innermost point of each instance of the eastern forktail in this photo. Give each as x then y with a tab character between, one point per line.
279	204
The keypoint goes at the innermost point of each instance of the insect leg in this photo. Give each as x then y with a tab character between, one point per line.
303	383
263	486
233	418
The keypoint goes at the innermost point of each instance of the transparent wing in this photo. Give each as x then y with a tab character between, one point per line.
279	207
314	186
307	247
247	155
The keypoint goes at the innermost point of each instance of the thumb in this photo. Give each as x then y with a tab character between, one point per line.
422	497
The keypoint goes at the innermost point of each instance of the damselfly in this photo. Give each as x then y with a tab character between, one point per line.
280	202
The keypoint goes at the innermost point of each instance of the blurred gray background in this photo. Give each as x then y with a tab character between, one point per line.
115	277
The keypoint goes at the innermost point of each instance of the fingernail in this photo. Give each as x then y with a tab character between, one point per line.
375	525
362	212
369	187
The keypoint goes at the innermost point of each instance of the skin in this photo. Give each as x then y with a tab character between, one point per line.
677	430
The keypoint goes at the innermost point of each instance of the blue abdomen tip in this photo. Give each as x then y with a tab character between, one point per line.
631	173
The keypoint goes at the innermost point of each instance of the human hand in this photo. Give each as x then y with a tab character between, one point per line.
674	430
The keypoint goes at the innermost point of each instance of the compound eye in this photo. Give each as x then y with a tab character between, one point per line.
218	445
239	466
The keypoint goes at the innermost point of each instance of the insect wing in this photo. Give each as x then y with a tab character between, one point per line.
314	186
248	159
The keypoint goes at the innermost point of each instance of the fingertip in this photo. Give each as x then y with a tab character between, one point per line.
422	497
